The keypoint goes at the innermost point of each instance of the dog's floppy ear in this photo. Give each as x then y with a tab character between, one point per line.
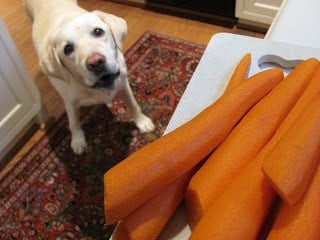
117	25
51	64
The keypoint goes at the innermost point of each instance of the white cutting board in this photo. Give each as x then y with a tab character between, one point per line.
221	56
211	78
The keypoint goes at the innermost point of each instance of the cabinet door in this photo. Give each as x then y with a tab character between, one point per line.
19	98
259	11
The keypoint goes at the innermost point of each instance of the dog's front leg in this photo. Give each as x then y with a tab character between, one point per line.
78	141
143	122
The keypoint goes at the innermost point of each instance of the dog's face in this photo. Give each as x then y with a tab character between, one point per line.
87	47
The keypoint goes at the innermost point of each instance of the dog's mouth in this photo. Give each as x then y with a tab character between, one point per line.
106	80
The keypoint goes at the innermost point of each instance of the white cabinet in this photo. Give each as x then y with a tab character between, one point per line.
20	101
257	11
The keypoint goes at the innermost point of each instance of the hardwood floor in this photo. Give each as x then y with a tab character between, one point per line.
138	19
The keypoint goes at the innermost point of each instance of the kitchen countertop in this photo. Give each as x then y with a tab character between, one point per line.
297	22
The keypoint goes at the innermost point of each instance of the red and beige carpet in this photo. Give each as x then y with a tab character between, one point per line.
52	193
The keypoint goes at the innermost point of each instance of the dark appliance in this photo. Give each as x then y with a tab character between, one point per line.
214	11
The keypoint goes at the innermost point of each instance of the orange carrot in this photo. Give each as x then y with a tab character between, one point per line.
290	164
149	170
312	90
240	210
245	141
240	72
148	220
300	221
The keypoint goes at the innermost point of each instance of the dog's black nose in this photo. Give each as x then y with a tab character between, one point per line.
96	63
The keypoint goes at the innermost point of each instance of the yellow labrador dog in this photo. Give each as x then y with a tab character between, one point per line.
81	53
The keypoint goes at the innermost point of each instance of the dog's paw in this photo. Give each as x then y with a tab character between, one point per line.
78	142
144	123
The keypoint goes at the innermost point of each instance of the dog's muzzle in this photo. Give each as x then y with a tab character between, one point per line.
96	64
106	81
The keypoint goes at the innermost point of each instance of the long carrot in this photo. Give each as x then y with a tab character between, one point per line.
150	169
240	210
290	164
148	220
300	221
240	72
312	90
245	141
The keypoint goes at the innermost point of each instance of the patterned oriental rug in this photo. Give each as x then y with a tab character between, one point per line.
52	193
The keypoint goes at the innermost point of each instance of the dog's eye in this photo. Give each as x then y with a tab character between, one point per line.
98	32
68	49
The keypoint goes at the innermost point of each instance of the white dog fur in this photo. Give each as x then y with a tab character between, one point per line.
81	53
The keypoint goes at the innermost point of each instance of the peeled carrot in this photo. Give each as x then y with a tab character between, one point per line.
148	220
149	170
245	141
240	72
300	221
311	91
290	164
240	210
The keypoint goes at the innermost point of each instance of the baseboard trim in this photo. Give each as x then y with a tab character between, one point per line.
253	26
130	3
